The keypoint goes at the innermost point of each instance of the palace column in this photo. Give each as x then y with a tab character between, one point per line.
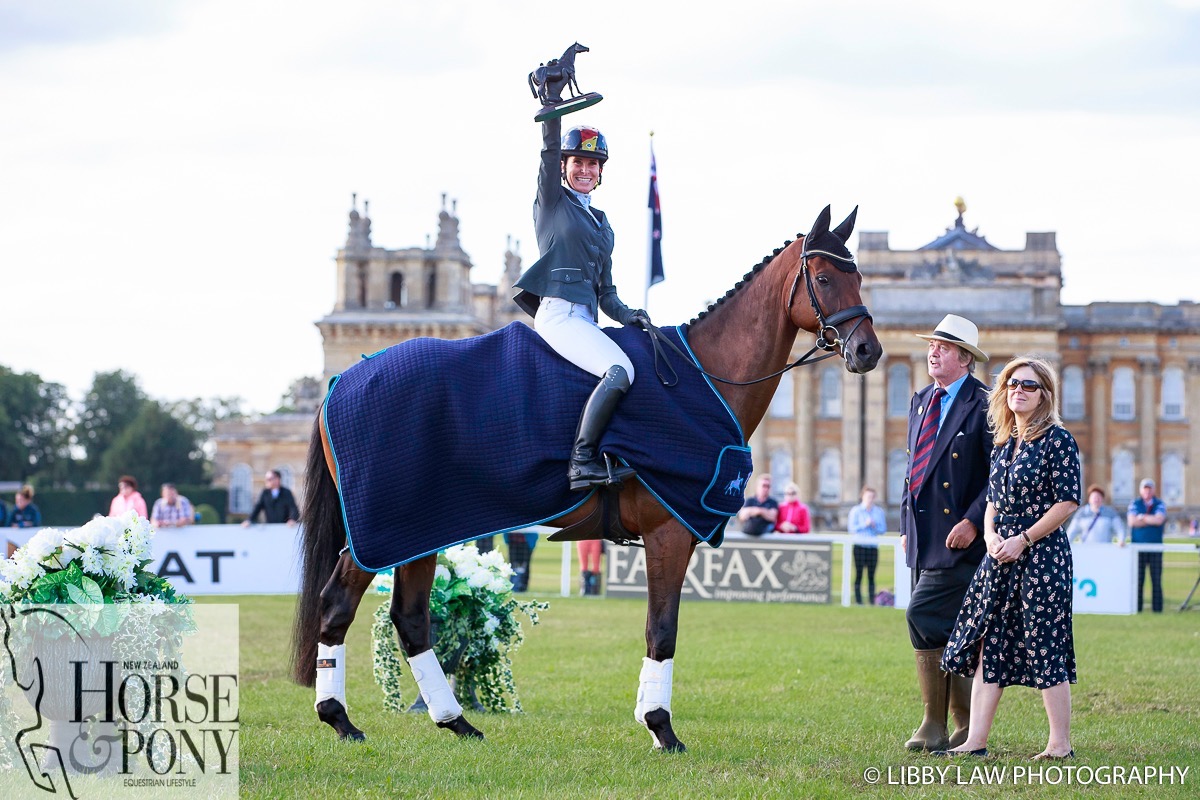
876	416
1191	490
853	394
1098	462
804	468
1148	406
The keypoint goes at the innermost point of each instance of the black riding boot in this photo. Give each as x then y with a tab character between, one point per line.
587	469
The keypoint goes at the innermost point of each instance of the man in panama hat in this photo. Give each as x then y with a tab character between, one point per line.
941	517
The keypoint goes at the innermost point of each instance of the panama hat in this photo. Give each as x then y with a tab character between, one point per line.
960	331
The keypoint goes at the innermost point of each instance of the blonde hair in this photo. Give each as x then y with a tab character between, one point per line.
1002	420
26	491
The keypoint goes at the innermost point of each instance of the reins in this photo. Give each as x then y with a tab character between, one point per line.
827	325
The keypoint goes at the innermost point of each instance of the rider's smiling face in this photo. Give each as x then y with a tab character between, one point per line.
582	173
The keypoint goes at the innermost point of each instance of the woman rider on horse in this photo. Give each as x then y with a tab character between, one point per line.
563	288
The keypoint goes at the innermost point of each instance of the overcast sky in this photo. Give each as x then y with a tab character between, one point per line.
175	176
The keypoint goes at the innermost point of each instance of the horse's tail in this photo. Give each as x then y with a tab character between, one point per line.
324	535
532	85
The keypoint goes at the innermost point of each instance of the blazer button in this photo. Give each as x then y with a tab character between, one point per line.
908	452
906	480
591	263
954	455
945	511
946	485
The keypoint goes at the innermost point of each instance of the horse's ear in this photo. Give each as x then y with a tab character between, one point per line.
821	225
844	230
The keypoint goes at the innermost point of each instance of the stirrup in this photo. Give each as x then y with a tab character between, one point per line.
612	478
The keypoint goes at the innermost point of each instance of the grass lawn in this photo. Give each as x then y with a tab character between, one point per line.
771	700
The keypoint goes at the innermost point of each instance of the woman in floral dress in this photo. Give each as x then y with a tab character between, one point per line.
1015	624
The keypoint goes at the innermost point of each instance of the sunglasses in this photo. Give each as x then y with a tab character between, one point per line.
1028	386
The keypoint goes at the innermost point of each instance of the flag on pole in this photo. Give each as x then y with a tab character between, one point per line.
656	263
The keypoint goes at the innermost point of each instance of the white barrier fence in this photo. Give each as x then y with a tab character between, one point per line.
263	559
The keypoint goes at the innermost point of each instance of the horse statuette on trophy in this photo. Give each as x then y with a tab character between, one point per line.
548	81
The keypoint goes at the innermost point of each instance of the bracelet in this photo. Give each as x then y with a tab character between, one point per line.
1028	541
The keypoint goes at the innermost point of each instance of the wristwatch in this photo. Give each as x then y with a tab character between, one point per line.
1028	541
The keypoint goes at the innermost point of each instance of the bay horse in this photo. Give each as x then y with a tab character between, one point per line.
745	338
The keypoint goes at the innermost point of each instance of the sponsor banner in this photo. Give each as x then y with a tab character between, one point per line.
747	570
119	700
1105	579
217	559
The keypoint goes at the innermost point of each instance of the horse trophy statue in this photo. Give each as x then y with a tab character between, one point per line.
743	342
548	81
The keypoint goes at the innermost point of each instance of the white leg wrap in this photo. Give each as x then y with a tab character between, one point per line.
654	688
331	673
434	688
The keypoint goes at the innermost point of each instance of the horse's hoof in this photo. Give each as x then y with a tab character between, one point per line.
333	714
461	728
658	722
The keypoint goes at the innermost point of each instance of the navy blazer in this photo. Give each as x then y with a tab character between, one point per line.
576	246
956	481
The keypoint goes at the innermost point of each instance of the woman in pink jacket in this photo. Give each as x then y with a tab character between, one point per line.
793	515
128	497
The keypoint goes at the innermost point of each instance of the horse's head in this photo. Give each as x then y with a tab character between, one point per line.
824	297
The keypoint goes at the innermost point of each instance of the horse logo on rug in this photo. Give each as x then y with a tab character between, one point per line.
737	485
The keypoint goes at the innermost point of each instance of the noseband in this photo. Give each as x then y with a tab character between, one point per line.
828	325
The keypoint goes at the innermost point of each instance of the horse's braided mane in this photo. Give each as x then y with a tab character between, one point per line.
749	276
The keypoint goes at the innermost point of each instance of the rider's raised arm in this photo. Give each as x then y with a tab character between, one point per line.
549	190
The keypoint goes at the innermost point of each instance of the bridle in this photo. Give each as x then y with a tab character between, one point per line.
828	325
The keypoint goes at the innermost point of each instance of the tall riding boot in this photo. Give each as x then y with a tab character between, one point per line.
585	584
587	469
960	708
931	735
594	584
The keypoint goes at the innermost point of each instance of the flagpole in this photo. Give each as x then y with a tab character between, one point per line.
650	246
654	264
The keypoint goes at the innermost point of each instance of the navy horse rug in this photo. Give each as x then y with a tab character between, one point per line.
439	442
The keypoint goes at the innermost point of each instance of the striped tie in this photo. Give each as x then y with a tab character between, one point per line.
925	440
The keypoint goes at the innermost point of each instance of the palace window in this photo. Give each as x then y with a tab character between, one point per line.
782	403
1123	406
897	467
1172	394
1122	476
781	470
398	294
831	393
240	478
830	476
899	390
1072	401
1172	479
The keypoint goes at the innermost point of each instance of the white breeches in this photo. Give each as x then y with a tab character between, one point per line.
654	689
569	329
434	688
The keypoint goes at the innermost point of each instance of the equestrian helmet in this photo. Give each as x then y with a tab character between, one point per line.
585	142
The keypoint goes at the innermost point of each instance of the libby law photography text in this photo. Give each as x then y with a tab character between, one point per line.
1034	775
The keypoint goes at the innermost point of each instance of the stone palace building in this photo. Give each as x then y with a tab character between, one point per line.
1130	370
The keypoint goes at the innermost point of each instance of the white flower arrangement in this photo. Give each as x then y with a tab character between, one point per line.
474	617
102	562
101	569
